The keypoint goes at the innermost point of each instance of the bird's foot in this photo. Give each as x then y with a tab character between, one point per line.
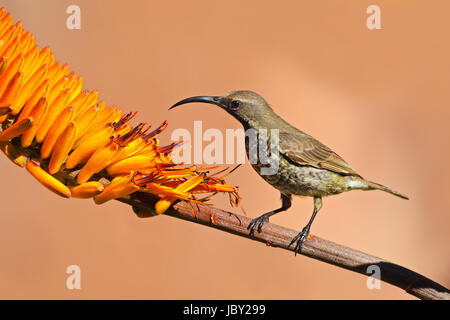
300	238
257	223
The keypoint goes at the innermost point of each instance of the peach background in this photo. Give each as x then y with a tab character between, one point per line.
379	98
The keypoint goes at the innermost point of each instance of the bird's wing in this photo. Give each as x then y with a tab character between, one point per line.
303	149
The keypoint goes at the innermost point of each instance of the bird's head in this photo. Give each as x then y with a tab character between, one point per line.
245	106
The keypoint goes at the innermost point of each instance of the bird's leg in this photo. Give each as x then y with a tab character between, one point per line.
303	235
257	223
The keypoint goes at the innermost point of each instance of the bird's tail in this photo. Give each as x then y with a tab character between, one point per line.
377	186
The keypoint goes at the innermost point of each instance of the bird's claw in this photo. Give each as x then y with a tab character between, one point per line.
257	224
300	238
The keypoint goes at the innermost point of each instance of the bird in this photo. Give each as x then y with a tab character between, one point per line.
306	167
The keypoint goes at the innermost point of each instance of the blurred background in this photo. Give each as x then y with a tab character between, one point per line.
379	98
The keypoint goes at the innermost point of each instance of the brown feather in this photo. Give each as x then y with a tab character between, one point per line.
303	149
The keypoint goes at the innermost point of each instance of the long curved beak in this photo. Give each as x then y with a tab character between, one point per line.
204	99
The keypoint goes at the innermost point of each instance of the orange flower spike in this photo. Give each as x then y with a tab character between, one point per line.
16	129
162	205
62	147
9	73
27	90
12	153
98	161
38	113
53	112
37	94
87	190
12	88
63	120
88	146
47	180
119	187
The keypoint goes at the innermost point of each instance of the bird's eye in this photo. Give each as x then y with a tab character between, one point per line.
235	104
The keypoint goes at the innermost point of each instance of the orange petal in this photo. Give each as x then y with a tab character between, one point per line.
56	89
9	73
62	73
37	94
29	62
79	101
62	148
107	116
76	87
12	88
87	190
133	163
47	180
11	45
55	131
38	113
53	112
99	160
6	23
91	100
162	205
42	58
28	89
54	70
16	129
87	147
119	187
163	191
84	121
